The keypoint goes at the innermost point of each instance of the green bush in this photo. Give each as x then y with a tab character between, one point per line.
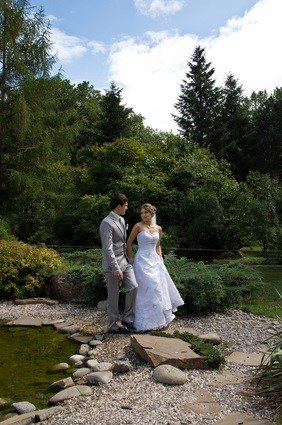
85	270
206	288
24	268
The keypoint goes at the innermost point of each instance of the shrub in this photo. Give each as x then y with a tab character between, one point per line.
24	268
207	288
85	270
5	231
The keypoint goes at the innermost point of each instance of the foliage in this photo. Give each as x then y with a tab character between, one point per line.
24	268
5	231
211	355
85	269
206	288
269	373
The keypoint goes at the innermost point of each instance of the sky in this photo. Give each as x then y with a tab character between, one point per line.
144	46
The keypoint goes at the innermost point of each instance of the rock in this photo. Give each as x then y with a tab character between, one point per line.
99	378
160	350
236	418
168	374
59	325
212	338
76	358
102	305
71	392
78	364
42	415
206	410
23	407
23	419
95	343
92	353
52	321
79	373
92	362
99	337
26	321
247	359
81	339
3	402
83	350
60	385
47	301
102	367
70	329
122	366
60	367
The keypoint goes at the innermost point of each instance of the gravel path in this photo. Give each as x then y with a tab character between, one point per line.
135	398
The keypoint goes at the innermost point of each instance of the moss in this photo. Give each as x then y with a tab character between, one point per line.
212	356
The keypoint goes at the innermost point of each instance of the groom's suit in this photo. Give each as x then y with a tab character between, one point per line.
113	237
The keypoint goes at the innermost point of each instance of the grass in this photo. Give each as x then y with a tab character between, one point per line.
267	302
256	255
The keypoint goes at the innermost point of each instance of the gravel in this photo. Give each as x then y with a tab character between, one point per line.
135	398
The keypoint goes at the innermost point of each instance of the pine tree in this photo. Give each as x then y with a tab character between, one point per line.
199	102
114	120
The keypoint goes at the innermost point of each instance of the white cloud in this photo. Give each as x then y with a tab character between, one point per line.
67	47
151	70
97	46
154	8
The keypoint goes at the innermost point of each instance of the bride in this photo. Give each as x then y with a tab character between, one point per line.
157	296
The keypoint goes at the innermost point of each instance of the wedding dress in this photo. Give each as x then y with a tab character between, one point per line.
157	296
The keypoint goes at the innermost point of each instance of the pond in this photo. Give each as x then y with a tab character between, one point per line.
27	356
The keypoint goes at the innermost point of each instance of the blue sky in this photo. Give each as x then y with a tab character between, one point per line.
144	46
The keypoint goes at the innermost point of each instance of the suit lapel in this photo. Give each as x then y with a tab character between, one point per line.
118	225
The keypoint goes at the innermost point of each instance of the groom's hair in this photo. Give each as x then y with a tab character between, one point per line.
117	199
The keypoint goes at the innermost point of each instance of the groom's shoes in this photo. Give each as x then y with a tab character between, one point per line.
129	326
119	330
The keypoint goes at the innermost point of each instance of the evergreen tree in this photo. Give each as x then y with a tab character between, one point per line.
25	46
199	102
114	120
234	145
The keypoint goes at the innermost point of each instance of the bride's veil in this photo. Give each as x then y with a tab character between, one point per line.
154	219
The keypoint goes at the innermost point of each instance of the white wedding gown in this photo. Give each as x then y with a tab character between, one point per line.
157	296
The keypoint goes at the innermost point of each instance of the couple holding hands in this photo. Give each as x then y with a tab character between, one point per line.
151	297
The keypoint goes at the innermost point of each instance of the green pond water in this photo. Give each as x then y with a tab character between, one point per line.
27	356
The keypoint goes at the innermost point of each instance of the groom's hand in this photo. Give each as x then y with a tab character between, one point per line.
118	275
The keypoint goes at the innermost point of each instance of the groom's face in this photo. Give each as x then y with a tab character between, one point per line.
122	208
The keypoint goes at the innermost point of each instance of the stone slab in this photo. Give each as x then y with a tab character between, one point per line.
81	339
69	329
237	418
64	324
42	415
26	321
52	321
203	396
24	301
160	350
246	359
227	378
207	410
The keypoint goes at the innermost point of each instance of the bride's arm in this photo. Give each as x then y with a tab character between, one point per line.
158	247
131	238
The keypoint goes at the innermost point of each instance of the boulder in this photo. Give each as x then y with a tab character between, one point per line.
102	305
71	392
23	407
99	377
42	415
168	374
76	358
83	350
122	366
79	373
60	367
60	385
23	419
160	350
102	367
212	338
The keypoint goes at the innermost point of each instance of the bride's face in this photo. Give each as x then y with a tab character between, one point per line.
146	216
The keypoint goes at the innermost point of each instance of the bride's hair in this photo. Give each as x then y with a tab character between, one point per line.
150	208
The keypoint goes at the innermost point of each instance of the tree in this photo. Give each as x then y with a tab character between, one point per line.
25	46
199	102
236	119
114	120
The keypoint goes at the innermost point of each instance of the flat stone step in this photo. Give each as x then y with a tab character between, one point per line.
37	300
160	350
246	359
25	321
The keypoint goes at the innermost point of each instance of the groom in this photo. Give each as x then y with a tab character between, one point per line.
117	267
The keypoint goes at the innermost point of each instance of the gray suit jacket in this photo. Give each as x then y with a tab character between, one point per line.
113	237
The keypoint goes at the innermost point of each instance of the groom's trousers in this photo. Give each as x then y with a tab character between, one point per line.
113	287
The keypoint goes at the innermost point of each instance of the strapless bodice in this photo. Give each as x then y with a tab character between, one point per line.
147	241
